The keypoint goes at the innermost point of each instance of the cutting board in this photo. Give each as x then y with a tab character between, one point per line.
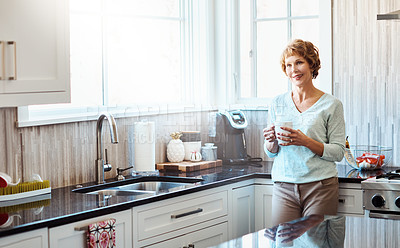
190	173
188	166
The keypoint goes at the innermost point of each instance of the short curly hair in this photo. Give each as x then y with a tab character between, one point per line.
305	49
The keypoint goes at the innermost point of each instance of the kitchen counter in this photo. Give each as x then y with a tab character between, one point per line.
334	231
63	206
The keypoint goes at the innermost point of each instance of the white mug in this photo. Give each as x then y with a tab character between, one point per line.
278	129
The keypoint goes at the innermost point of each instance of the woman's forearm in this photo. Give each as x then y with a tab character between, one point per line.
315	146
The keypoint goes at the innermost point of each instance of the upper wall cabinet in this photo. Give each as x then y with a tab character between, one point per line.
34	52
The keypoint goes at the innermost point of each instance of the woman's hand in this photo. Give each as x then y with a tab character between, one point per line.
269	133
298	138
294	229
270	137
270	233
294	137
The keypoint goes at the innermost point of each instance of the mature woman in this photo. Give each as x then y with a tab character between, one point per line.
304	170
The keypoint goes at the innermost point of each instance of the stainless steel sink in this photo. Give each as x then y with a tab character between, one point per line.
153	185
158	187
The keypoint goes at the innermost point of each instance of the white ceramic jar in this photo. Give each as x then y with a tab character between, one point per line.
209	152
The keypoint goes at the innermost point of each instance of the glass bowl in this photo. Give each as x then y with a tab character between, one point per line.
368	157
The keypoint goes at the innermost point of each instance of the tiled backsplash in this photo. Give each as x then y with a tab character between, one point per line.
66	153
366	71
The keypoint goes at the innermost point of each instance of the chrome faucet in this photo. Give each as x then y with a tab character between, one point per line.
114	139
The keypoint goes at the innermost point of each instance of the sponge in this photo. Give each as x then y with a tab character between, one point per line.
24	187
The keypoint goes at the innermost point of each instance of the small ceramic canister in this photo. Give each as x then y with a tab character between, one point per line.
192	143
195	157
209	152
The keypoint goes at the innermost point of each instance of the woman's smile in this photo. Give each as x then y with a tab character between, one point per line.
298	69
297	77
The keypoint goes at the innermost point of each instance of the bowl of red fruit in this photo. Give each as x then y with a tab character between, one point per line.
369	157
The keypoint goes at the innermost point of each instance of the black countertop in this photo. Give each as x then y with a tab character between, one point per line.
63	206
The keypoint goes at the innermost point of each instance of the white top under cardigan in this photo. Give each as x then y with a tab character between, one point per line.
323	122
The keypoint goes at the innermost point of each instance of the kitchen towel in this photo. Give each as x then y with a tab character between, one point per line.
144	146
101	234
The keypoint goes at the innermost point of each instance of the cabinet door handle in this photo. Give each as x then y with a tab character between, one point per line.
176	216
14	76
2	62
82	228
342	200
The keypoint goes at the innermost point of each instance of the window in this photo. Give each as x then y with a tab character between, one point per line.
130	55
134	52
126	52
263	30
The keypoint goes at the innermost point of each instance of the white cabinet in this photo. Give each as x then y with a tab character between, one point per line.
67	236
33	239
350	199
202	238
242	210
34	52
174	219
262	207
350	202
251	206
204	218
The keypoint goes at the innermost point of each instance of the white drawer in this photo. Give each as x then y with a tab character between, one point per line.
69	235
37	238
160	218
350	201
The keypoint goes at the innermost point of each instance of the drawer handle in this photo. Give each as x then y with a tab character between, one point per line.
342	200
176	216
83	228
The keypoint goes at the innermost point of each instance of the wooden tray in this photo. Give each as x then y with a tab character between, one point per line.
188	166
190	173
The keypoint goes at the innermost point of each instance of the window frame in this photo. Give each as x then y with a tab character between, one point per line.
195	94
325	48
221	90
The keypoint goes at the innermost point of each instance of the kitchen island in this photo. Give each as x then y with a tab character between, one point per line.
64	206
334	231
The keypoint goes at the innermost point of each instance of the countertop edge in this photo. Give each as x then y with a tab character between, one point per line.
62	220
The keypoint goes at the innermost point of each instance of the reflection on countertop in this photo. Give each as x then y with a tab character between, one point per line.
64	206
330	232
346	171
334	231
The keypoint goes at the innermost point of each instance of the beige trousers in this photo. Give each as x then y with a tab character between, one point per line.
291	201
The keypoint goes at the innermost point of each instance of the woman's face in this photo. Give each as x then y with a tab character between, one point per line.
298	70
